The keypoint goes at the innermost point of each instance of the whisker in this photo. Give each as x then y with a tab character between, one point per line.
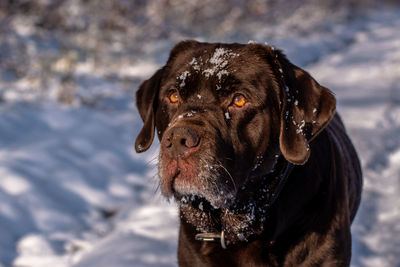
233	181
152	162
154	178
157	188
211	173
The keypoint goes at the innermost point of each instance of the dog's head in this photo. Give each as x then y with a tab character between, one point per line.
224	113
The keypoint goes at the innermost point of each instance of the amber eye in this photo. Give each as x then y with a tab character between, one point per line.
174	97
239	101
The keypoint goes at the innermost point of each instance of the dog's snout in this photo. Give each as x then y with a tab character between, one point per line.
181	142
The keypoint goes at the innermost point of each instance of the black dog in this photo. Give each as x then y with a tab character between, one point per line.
253	151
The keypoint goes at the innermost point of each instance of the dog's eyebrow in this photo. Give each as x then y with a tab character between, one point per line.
229	83
167	87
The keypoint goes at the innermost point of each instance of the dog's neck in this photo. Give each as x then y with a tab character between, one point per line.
247	216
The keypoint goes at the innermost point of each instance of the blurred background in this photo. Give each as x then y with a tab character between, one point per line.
72	190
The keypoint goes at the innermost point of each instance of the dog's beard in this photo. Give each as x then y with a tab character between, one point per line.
216	200
243	216
208	200
208	179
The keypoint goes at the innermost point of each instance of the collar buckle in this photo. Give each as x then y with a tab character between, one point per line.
212	237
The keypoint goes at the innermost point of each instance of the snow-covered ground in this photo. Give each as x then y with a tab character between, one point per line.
74	193
366	79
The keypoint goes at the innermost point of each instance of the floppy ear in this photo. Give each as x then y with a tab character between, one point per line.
306	108
146	98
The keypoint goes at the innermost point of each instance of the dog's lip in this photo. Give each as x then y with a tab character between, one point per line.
172	185
178	195
197	201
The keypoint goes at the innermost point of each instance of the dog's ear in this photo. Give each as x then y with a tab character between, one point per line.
306	108
146	98
146	102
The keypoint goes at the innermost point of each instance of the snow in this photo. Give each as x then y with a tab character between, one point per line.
61	174
219	60
252	42
299	126
195	64
74	193
183	77
366	80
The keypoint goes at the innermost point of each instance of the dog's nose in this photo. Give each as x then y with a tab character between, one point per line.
181	142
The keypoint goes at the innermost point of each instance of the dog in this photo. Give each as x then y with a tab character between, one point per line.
254	153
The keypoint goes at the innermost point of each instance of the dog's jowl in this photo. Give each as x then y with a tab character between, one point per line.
256	156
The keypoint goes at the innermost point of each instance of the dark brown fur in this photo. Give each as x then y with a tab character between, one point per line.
221	161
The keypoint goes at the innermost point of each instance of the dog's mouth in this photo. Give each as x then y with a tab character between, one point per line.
202	198
201	189
173	190
196	201
201	175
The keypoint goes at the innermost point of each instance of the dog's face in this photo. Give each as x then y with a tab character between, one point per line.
224	113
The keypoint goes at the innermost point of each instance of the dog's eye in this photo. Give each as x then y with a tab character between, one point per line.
174	97
239	101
